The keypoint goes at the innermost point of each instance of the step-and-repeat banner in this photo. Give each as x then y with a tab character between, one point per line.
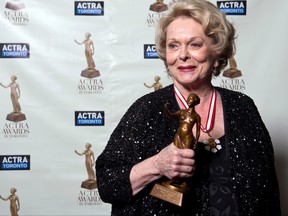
70	69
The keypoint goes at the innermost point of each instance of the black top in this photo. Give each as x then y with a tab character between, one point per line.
144	130
221	194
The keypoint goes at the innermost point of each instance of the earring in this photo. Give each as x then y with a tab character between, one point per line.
215	71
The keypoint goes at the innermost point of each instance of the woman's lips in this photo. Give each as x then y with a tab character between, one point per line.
188	68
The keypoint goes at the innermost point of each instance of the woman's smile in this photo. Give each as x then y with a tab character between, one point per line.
187	68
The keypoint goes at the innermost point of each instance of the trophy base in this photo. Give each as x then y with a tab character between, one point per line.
15	5
90	73
158	7
167	194
89	184
232	73
16	117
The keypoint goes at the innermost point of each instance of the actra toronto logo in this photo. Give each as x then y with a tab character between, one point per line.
89	118
89	8
15	162
232	7
150	51
15	50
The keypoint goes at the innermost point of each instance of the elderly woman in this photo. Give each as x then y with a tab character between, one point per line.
232	170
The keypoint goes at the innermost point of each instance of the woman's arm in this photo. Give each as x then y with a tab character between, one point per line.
170	162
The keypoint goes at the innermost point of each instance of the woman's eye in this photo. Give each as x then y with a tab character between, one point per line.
172	46
196	45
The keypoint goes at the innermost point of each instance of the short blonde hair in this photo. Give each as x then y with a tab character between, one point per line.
215	26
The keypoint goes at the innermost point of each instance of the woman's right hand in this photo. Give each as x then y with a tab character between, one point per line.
174	162
171	162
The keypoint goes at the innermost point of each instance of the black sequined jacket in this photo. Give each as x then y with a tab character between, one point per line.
144	130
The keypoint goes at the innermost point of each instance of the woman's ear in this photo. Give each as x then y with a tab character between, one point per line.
216	63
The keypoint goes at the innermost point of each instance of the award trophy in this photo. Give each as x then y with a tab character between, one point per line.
173	190
15	5
16	115
90	72
14	201
232	72
90	183
158	6
156	85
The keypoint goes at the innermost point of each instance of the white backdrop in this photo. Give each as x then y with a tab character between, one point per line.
50	80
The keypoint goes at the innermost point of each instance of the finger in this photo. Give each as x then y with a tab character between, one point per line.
187	153
188	172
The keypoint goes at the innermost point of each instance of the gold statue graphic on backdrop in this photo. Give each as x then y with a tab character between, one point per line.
14	202
90	182
158	6
173	190
157	85
16	115
15	5
90	71
232	72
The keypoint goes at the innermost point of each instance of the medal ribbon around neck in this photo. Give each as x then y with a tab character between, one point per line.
211	113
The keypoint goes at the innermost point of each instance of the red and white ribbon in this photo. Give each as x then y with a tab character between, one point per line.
211	113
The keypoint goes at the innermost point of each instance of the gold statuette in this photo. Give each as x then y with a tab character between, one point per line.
173	190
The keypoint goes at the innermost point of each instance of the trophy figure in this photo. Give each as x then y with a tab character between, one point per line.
173	190
15	5
16	115
232	72
158	6
14	202
157	85
90	183
90	71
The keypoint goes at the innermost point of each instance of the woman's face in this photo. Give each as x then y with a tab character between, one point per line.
188	54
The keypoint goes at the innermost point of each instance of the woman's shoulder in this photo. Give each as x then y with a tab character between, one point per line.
230	95
151	103
156	98
236	101
148	107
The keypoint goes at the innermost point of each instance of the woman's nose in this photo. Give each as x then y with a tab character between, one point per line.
184	54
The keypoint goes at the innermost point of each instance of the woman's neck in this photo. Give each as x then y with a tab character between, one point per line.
204	91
